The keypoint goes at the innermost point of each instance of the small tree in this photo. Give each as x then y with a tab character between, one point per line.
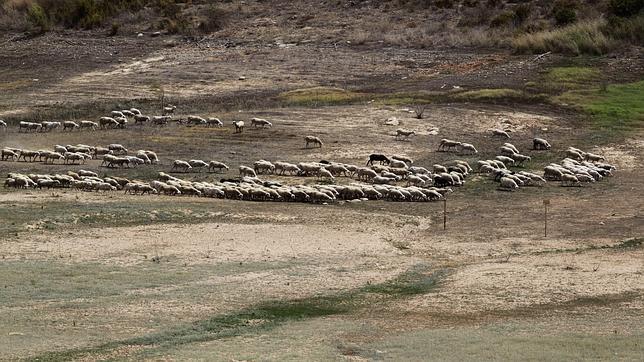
419	109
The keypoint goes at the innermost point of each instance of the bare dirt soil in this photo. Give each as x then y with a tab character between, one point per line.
90	276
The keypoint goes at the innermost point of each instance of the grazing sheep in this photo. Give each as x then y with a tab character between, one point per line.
87	173
239	126
214	122
181	165
415	180
506	160
397	164
246	171
508	184
468	148
24	154
128	113
154	159
384	160
53	156
365	174
142	155
135	111
507	151
446	144
139	119
540	144
500	132
417	170
117	148
107	122
88	125
6	153
519	159
117	114
575	154
338	169
160	120
196	120
122	122
215	165
312	140
70	125
323	172
404	133
254	122
169	109
197	164
511	146
404	159
439	168
569	180
263	166
593	157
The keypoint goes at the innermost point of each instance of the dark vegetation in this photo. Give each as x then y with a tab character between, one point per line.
562	26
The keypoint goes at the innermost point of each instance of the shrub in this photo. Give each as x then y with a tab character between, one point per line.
215	19
522	13
575	39
626	8
564	11
629	30
38	18
503	19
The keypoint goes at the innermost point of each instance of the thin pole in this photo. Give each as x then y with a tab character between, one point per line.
444	213
545	220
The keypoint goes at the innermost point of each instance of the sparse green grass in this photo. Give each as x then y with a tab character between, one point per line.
265	316
572	77
321	96
618	109
488	94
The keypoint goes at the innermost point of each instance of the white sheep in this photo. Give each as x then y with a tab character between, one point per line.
239	126
405	159
88	125
246	171
87	173
569	180
446	144
404	133
216	165
181	165
312	140
468	148
70	125
197	164
254	122
117	148
500	132
214	122
507	151
506	160
323	172
540	144
105	122
508	184
397	164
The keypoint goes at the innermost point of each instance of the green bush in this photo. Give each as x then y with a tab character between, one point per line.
565	11
503	19
626	8
38	18
522	13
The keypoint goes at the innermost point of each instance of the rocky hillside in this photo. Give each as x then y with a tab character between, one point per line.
565	26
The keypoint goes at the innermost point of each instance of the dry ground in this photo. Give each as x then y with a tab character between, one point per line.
91	276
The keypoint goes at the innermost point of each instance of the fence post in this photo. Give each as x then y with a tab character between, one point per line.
546	202
444	213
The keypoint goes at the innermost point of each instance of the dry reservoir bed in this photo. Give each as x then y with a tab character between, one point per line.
92	275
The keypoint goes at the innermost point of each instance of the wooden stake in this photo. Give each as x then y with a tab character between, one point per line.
444	213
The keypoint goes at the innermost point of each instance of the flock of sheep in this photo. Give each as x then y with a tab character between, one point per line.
246	188
113	155
385	177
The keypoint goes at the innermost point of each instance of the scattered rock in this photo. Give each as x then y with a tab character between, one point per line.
392	121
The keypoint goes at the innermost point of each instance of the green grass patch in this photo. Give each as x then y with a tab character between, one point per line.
488	94
618	109
321	96
572	77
